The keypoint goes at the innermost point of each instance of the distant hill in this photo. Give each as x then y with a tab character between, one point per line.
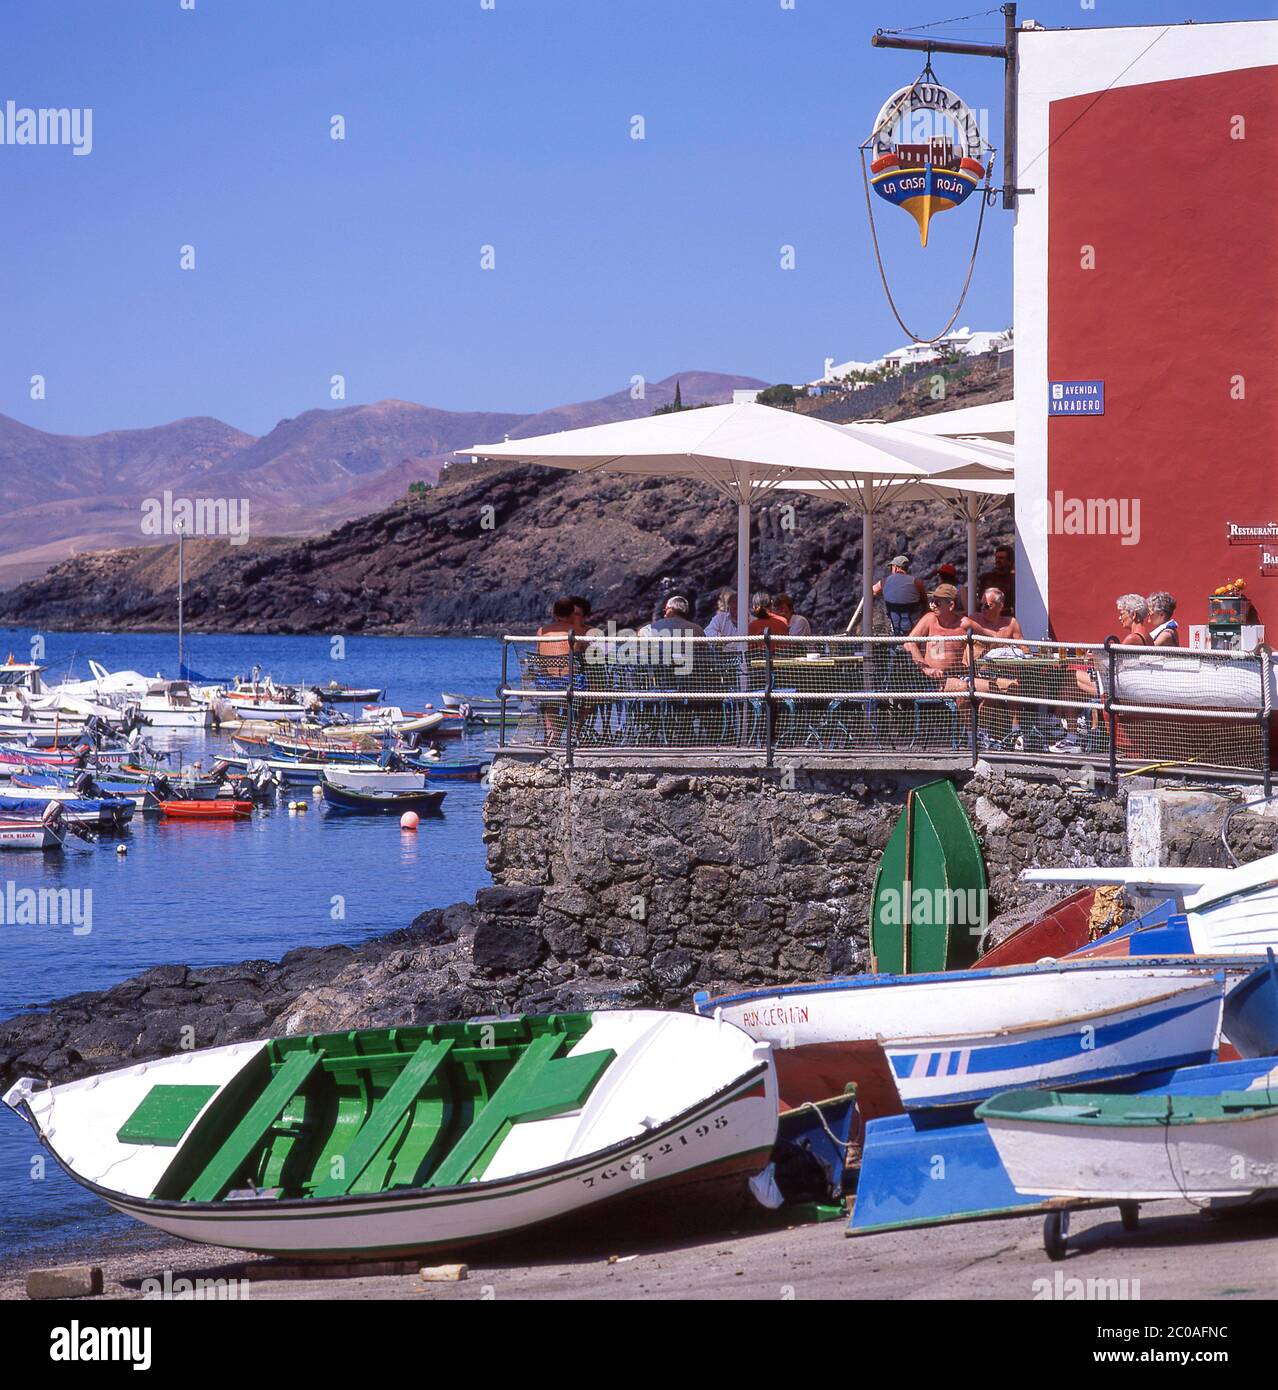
65	494
426	566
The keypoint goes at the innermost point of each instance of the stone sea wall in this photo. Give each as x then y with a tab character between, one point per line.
614	887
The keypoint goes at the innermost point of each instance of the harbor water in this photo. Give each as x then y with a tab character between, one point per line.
204	892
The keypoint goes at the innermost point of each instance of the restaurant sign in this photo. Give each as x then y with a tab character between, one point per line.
1076	398
927	151
1252	532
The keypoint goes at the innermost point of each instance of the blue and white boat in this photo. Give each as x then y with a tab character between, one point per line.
1171	1022
96	812
929	1167
1251	1012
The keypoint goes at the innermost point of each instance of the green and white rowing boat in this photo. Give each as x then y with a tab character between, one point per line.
400	1140
1111	1146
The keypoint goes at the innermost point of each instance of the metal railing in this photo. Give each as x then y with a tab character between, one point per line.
1107	706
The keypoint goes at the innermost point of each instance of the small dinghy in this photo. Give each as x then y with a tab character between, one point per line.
400	1140
335	694
221	808
383	803
1090	1144
453	769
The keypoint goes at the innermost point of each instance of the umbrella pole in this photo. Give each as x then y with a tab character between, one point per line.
743	565
867	572
973	598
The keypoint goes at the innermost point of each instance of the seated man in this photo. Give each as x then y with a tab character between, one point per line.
942	659
931	647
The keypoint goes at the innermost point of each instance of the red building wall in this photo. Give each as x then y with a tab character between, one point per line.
1183	297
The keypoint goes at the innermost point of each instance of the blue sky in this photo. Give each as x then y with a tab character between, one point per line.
466	127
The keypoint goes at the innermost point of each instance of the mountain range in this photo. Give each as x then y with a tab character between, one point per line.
61	495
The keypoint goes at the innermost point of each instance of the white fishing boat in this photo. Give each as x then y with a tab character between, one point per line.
831	1033
379	718
1172	1023
48	832
407	1139
1227	911
367	779
174	705
1101	1146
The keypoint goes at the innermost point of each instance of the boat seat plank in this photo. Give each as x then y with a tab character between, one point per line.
221	1170
165	1115
386	1114
536	1087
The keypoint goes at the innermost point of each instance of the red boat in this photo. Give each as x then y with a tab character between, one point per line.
219	808
1059	932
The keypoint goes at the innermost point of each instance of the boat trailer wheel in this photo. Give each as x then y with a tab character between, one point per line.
1055	1234
1056	1228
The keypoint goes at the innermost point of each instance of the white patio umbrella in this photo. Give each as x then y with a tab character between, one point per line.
970	499
745	451
994	420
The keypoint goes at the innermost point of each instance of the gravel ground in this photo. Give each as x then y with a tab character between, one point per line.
1178	1253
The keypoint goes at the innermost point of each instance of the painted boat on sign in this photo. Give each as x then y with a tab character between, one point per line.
1251	1012
381	803
830	1033
409	1139
905	1157
1219	1142
1225	911
928	909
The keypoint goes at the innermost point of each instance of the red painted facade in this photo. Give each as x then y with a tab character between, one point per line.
1182	301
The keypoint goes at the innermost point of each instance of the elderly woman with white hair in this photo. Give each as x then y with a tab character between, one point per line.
1133	618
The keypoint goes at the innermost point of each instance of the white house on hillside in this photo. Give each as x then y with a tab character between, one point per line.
961	340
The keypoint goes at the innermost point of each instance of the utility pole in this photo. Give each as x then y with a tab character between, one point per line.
1007	52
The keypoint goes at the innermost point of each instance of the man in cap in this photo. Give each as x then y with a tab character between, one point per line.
902	595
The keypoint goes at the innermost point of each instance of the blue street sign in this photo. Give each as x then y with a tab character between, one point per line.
1076	398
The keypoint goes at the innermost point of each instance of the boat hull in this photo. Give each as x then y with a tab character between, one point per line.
29	835
1191	1157
828	1035
1169	1027
620	1121
375	804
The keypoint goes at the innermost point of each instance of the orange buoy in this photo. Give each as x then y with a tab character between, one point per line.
408	821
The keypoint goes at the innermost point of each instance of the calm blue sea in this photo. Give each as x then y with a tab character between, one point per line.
203	893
